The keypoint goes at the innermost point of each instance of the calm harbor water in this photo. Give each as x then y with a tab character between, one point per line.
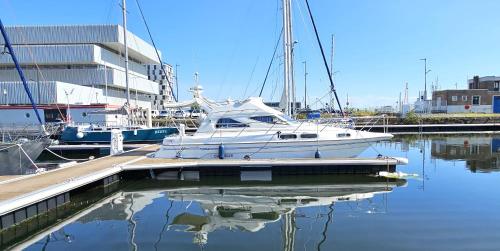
454	204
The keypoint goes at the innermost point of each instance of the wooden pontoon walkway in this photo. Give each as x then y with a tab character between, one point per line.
27	186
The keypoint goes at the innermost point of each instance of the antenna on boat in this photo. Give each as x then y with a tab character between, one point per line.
197	89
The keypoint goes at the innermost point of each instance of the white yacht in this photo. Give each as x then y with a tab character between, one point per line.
251	130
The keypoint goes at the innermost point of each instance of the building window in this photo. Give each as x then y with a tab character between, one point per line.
454	98
476	100
464	98
496	86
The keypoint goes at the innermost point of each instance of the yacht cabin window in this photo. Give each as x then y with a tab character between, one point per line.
268	119
343	135
229	123
309	135
288	136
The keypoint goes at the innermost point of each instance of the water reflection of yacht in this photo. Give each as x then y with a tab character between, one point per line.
480	152
250	208
226	203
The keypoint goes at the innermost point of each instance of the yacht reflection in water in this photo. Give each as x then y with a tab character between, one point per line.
480	152
249	206
226	203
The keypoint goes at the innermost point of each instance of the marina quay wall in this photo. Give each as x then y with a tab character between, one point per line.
84	55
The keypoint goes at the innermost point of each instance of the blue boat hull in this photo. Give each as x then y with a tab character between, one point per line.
147	135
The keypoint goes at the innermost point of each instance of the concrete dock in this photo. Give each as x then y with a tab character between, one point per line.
24	197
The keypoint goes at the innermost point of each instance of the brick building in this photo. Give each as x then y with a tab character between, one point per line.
483	96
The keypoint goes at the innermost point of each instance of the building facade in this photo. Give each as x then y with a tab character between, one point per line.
84	64
165	80
482	96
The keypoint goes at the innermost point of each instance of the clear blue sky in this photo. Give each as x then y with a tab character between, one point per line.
230	42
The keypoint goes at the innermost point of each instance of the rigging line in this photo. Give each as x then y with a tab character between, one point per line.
109	11
324	58
156	50
251	77
272	60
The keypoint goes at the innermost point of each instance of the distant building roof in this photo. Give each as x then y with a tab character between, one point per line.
486	78
108	35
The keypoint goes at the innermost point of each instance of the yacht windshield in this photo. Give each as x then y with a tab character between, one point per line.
229	123
270	119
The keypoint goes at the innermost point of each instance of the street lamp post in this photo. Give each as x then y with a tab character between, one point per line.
425	77
305	85
176	82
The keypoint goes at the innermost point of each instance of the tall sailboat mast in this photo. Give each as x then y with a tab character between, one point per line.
124	10
287	48
332	72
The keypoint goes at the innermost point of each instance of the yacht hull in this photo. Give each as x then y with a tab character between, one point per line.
146	135
268	150
14	161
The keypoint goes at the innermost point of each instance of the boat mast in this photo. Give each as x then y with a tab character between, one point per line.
124	12
332	71
287	48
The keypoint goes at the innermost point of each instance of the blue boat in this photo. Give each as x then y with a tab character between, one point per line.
102	135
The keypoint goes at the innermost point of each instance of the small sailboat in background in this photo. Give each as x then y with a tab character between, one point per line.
18	154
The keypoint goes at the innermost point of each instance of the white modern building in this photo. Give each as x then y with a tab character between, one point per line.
80	67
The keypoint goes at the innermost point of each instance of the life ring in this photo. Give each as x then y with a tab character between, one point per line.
467	107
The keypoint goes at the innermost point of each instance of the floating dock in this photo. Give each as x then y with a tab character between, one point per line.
24	197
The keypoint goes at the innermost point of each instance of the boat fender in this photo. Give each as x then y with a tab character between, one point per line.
317	154
178	155
221	151
79	135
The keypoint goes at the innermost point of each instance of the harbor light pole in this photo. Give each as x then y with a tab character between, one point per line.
176	82
305	85
425	77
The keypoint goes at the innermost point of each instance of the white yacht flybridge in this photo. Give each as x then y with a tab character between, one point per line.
249	129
